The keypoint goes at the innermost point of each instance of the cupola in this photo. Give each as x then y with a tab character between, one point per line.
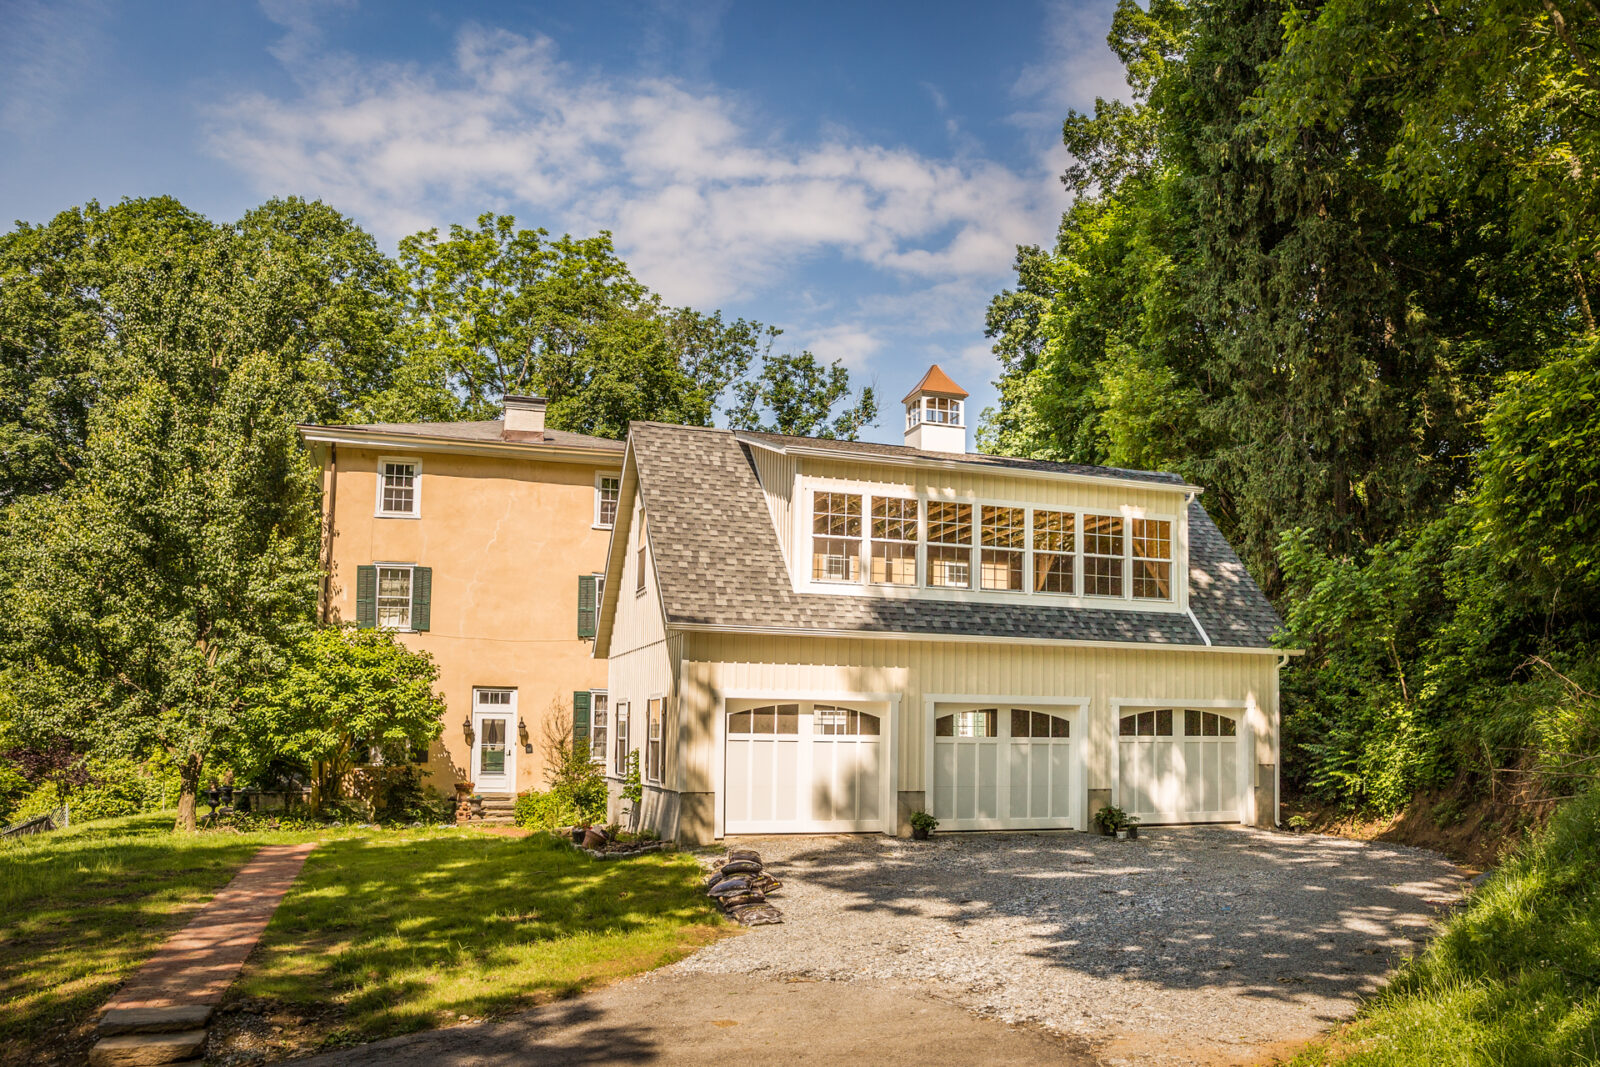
935	418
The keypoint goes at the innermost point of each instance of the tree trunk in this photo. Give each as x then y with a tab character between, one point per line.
188	792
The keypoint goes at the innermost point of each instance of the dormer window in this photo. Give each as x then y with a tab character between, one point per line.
836	537
949	545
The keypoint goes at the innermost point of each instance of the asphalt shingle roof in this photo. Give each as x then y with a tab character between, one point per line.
489	431
718	560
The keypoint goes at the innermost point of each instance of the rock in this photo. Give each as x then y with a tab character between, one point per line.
139	1050
175	1019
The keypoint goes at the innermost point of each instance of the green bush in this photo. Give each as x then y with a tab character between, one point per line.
581	803
13	788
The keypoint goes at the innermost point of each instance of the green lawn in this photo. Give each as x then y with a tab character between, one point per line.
408	930
386	931
1513	981
82	908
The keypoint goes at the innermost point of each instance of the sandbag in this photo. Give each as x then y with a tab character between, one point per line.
741	867
730	886
714	877
765	883
756	915
749	896
744	854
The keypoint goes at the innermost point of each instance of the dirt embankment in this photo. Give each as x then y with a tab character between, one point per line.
1468	821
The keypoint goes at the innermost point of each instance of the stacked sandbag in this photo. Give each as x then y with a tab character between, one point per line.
740	884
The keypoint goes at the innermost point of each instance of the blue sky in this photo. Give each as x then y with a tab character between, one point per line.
857	174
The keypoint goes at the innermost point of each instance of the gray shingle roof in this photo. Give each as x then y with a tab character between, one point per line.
719	563
858	449
488	431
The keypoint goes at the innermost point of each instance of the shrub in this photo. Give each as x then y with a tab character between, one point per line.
573	803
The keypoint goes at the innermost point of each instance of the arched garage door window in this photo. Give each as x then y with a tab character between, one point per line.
1179	765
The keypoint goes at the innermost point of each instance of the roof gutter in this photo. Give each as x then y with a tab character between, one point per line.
900	635
335	435
967	466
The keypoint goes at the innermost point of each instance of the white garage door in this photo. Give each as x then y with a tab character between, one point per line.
1005	768
1179	765
804	767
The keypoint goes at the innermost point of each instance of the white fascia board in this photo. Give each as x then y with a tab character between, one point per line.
966	467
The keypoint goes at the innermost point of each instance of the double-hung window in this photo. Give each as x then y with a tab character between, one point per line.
1055	544
1102	555
949	545
620	763
607	490
894	541
639	562
394	597
1003	536
1152	558
398	494
652	741
836	537
598	714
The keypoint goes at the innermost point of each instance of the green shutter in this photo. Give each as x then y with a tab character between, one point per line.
587	608
366	597
421	597
580	719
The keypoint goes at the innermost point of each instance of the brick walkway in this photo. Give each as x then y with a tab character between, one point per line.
198	963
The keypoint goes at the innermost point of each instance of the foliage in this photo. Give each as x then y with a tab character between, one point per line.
346	694
498	309
923	822
800	394
632	783
399	797
1513	979
563	805
1110	819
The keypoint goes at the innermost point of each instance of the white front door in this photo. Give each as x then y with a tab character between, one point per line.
1179	765
1006	768
494	726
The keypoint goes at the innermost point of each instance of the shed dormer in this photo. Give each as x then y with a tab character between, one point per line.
934	417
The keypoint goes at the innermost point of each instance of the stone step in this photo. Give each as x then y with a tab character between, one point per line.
174	1019
139	1050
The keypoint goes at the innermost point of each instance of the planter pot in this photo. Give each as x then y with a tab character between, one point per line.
1122	835
1133	833
593	838
577	834
919	834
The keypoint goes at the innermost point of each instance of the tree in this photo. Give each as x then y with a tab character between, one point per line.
179	561
347	691
497	310
795	394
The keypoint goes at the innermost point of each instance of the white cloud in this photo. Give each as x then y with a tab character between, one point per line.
707	204
1077	66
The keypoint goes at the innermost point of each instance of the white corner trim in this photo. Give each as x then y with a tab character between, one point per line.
1202	630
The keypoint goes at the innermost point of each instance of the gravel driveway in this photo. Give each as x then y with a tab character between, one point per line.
1200	944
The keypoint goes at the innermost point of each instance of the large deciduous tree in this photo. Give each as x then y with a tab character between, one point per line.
794	393
178	563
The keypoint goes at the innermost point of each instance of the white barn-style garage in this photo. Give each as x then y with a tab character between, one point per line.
831	635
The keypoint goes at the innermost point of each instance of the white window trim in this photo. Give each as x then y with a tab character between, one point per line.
801	534
607	745
644	747
621	718
411	598
598	477
416	489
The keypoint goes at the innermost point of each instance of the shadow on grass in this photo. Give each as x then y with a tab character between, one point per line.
390	934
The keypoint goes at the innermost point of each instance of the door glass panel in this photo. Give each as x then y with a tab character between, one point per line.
1127	728
788	718
1164	722
763	720
1019	722
492	758
1060	727
944	726
1041	724
1211	724
1191	723
739	722
1229	726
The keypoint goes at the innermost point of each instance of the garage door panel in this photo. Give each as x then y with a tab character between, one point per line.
800	767
995	768
1191	777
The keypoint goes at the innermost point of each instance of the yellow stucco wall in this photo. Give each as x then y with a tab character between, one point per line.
507	539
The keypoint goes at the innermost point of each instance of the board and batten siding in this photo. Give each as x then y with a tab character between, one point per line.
719	663
985	485
776	473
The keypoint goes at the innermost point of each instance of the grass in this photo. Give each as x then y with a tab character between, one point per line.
386	931
409	930
82	908
1513	981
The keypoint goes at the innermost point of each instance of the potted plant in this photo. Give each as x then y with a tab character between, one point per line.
1108	820
922	824
1129	828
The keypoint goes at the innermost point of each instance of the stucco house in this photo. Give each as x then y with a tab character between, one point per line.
481	543
808	635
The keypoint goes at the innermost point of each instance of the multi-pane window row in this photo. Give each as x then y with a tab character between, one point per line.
990	545
1159	722
939	410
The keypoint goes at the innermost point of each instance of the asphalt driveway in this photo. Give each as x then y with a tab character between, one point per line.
1192	945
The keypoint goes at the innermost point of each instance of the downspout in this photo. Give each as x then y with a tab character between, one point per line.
327	532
